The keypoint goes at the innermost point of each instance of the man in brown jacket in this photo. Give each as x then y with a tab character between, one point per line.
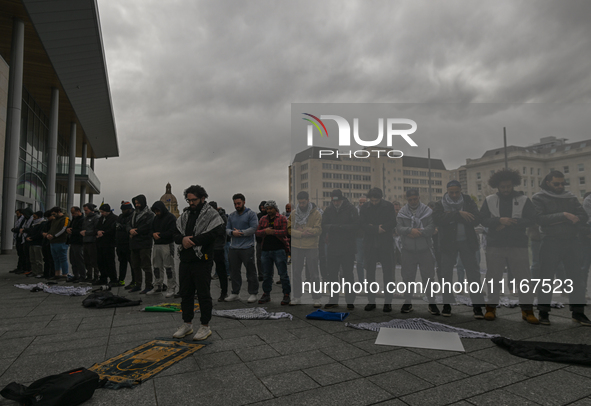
304	226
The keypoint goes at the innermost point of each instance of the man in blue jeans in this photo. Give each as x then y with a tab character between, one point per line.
273	231
57	237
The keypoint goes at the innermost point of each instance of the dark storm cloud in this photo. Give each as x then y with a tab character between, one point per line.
202	90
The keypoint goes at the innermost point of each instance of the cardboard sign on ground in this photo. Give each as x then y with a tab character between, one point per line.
433	340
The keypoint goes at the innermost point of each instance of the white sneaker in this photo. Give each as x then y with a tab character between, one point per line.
170	293
183	330
153	291
252	299
232	298
202	333
317	305
294	302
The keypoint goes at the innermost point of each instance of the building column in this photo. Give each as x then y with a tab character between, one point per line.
52	148
90	195
83	172
72	167
13	132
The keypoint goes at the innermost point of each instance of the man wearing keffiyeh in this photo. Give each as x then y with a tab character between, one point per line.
196	231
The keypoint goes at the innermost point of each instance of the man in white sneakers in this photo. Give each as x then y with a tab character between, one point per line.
196	231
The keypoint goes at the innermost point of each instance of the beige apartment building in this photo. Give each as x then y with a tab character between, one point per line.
533	163
356	176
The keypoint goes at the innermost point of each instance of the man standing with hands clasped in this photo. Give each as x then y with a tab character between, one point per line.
196	231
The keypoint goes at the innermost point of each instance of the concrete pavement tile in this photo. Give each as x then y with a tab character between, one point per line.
305	344
554	388
256	353
288	383
579	370
436	373
532	368
468	364
355	336
288	363
306	332
371	347
582	402
434	354
343	351
400	382
186	365
497	356
391	402
379	363
475	344
350	393
500	397
329	326
26	332
230	385
276	335
462	389
14	347
232	344
73	345
143	394
5	363
331	373
216	360
13	323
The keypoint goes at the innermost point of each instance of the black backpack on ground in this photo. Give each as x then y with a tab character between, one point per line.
69	388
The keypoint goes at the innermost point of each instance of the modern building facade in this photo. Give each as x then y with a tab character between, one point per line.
533	163
356	176
56	114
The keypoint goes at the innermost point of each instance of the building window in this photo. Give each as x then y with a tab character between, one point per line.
479	186
406	172
303	176
582	180
524	170
565	169
304	167
326	194
337	167
581	167
539	170
531	171
326	166
304	185
437	174
337	176
532	182
327	185
524	182
478	175
567	181
326	175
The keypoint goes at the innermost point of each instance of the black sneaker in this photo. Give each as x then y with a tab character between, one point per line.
434	310
98	282
581	318
134	289
369	307
387	308
285	300
331	305
544	318
130	286
406	308
222	297
146	290
350	307
478	313
446	312
266	298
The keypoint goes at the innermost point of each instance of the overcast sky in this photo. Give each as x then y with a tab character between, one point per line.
202	90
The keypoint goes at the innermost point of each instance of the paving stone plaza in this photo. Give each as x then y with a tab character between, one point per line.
285	362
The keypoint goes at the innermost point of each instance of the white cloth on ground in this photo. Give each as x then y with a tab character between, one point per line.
251	313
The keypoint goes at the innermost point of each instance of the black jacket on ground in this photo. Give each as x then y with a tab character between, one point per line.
371	217
107	226
143	239
165	224
340	228
550	216
77	225
579	354
447	223
511	236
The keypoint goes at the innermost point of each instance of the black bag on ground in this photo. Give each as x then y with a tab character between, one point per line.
69	388
105	299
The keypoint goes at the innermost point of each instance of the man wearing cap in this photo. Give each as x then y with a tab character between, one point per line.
340	224
122	243
105	246
273	230
89	239
456	215
378	221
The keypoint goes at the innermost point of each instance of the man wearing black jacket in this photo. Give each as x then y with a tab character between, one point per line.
140	233
218	255
89	240
456	215
122	243
562	220
196	233
105	246
378	221
76	245
507	214
163	228
340	225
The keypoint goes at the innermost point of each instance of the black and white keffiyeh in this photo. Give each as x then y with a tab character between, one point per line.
208	219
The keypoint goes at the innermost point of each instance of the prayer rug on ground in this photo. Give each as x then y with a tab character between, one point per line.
421	324
167	307
138	364
251	313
